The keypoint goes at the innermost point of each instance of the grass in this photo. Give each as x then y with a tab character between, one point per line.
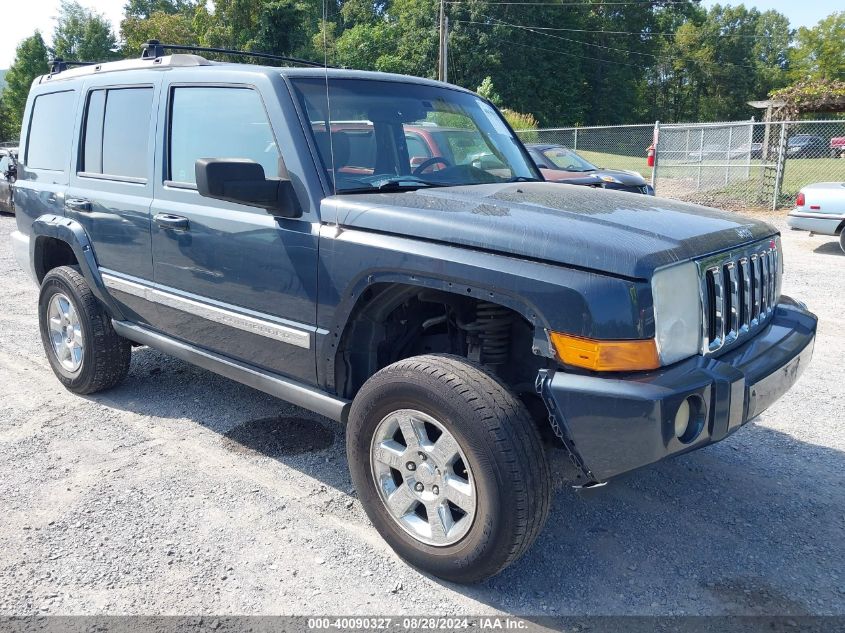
798	172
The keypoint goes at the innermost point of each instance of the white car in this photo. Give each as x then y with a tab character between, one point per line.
820	208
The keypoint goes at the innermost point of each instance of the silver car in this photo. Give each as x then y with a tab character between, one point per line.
820	208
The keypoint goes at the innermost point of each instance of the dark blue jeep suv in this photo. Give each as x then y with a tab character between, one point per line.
269	224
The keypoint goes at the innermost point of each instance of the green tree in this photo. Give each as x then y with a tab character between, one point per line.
31	60
819	53
6	133
280	27
487	91
720	59
82	34
170	28
144	9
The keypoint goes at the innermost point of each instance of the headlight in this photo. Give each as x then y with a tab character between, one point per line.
677	312
610	179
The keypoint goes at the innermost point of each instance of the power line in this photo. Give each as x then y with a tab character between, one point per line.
648	3
639	33
567	54
495	22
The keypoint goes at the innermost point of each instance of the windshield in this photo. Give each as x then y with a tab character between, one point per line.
383	135
567	159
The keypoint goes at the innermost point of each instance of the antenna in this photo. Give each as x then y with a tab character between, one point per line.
328	98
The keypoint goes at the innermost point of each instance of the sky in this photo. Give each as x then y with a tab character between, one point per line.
21	17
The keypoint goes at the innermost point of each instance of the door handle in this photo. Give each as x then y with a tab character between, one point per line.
171	222
78	204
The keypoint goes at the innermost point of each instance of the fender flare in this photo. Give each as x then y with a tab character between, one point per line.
328	348
74	235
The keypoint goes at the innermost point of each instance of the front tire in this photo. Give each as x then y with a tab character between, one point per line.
449	466
85	352
842	240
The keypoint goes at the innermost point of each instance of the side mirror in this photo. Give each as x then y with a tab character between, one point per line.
243	181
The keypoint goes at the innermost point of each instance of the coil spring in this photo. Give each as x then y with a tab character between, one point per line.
494	331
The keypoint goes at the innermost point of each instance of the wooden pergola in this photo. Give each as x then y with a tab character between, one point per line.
818	97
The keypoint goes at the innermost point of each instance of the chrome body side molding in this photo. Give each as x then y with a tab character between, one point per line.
263	327
292	391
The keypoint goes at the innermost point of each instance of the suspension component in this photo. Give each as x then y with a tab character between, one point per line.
492	331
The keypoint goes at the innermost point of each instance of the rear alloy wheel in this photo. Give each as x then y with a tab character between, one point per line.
448	465
85	352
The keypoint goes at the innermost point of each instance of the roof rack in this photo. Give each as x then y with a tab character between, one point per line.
154	49
59	65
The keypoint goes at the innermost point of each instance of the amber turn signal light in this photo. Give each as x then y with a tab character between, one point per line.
635	355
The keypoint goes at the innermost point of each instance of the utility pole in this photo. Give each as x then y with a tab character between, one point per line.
442	63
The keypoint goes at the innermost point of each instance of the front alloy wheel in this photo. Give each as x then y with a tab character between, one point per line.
422	477
448	465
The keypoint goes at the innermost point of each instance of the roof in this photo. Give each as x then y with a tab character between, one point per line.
203	65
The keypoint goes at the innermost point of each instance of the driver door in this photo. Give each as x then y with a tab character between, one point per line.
233	278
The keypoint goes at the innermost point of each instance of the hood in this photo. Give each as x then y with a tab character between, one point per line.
627	178
624	234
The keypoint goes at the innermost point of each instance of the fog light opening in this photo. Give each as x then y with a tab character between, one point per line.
689	419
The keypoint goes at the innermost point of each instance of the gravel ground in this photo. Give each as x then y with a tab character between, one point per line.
181	492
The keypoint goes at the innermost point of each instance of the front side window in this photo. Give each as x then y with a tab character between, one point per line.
380	134
117	124
50	131
210	122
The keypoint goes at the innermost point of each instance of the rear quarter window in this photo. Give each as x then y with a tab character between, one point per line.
50	131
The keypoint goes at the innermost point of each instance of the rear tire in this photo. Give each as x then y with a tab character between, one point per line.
472	442
85	352
842	240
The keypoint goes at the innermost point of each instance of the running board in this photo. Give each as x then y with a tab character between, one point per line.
279	386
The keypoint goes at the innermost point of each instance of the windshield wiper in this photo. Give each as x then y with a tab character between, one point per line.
523	179
399	183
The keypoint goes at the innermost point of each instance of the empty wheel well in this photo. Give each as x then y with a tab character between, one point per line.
395	321
51	253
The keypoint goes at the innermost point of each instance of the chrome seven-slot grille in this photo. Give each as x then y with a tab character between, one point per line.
739	292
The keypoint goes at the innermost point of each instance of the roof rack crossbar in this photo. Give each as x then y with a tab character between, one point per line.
154	48
58	65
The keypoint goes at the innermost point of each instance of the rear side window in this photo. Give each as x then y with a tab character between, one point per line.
50	131
208	122
117	123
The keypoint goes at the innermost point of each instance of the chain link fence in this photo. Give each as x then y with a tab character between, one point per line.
740	164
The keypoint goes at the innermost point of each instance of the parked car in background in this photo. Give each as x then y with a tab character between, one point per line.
837	147
721	152
820	208
8	175
806	146
561	164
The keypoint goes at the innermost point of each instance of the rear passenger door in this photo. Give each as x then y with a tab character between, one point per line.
231	278
111	186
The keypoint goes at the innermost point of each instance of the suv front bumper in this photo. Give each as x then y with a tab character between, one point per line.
614	424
